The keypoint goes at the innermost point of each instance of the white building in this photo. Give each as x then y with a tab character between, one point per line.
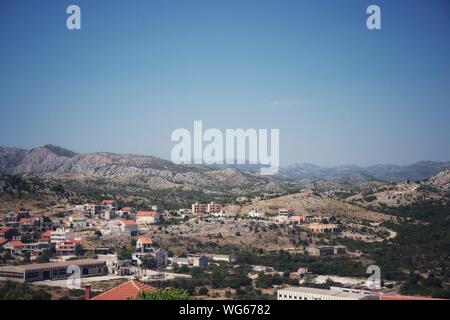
61	234
255	214
147	217
192	260
305	293
121	227
229	258
78	221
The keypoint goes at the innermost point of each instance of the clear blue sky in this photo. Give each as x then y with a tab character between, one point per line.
137	70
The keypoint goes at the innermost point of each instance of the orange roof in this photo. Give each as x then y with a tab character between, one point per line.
3	241
146	214
145	240
129	222
127	209
125	291
16	243
32	219
73	240
108	201
47	234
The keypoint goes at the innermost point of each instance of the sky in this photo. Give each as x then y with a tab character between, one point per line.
137	70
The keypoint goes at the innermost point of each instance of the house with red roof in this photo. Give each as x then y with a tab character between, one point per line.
147	217
110	204
2	242
45	236
30	224
126	291
144	244
69	247
14	246
7	232
122	226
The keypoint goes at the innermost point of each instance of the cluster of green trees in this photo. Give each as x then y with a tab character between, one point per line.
16	291
289	262
165	294
422	246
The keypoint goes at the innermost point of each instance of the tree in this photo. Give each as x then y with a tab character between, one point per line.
203	291
165	294
44	257
149	262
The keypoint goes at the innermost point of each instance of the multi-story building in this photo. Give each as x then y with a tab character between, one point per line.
92	209
14	246
12	219
78	221
121	226
304	293
213	208
198	208
127	213
110	204
7	233
144	244
53	270
147	217
160	255
69	247
29	225
35	248
61	234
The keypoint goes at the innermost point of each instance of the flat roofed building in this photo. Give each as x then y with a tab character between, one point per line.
198	208
213	207
304	293
52	270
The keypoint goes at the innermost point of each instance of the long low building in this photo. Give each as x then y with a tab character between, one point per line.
53	270
305	293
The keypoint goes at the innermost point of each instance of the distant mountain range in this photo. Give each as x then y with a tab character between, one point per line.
385	172
132	172
56	162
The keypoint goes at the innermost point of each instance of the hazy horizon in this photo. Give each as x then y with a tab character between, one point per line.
339	93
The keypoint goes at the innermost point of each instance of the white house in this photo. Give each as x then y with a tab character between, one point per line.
61	234
122	226
147	217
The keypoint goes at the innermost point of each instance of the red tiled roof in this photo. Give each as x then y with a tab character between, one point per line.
146	214
3	241
32	219
108	201
47	234
125	291
127	209
129	222
73	240
16	244
145	240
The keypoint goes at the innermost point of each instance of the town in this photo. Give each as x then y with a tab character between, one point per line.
111	244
